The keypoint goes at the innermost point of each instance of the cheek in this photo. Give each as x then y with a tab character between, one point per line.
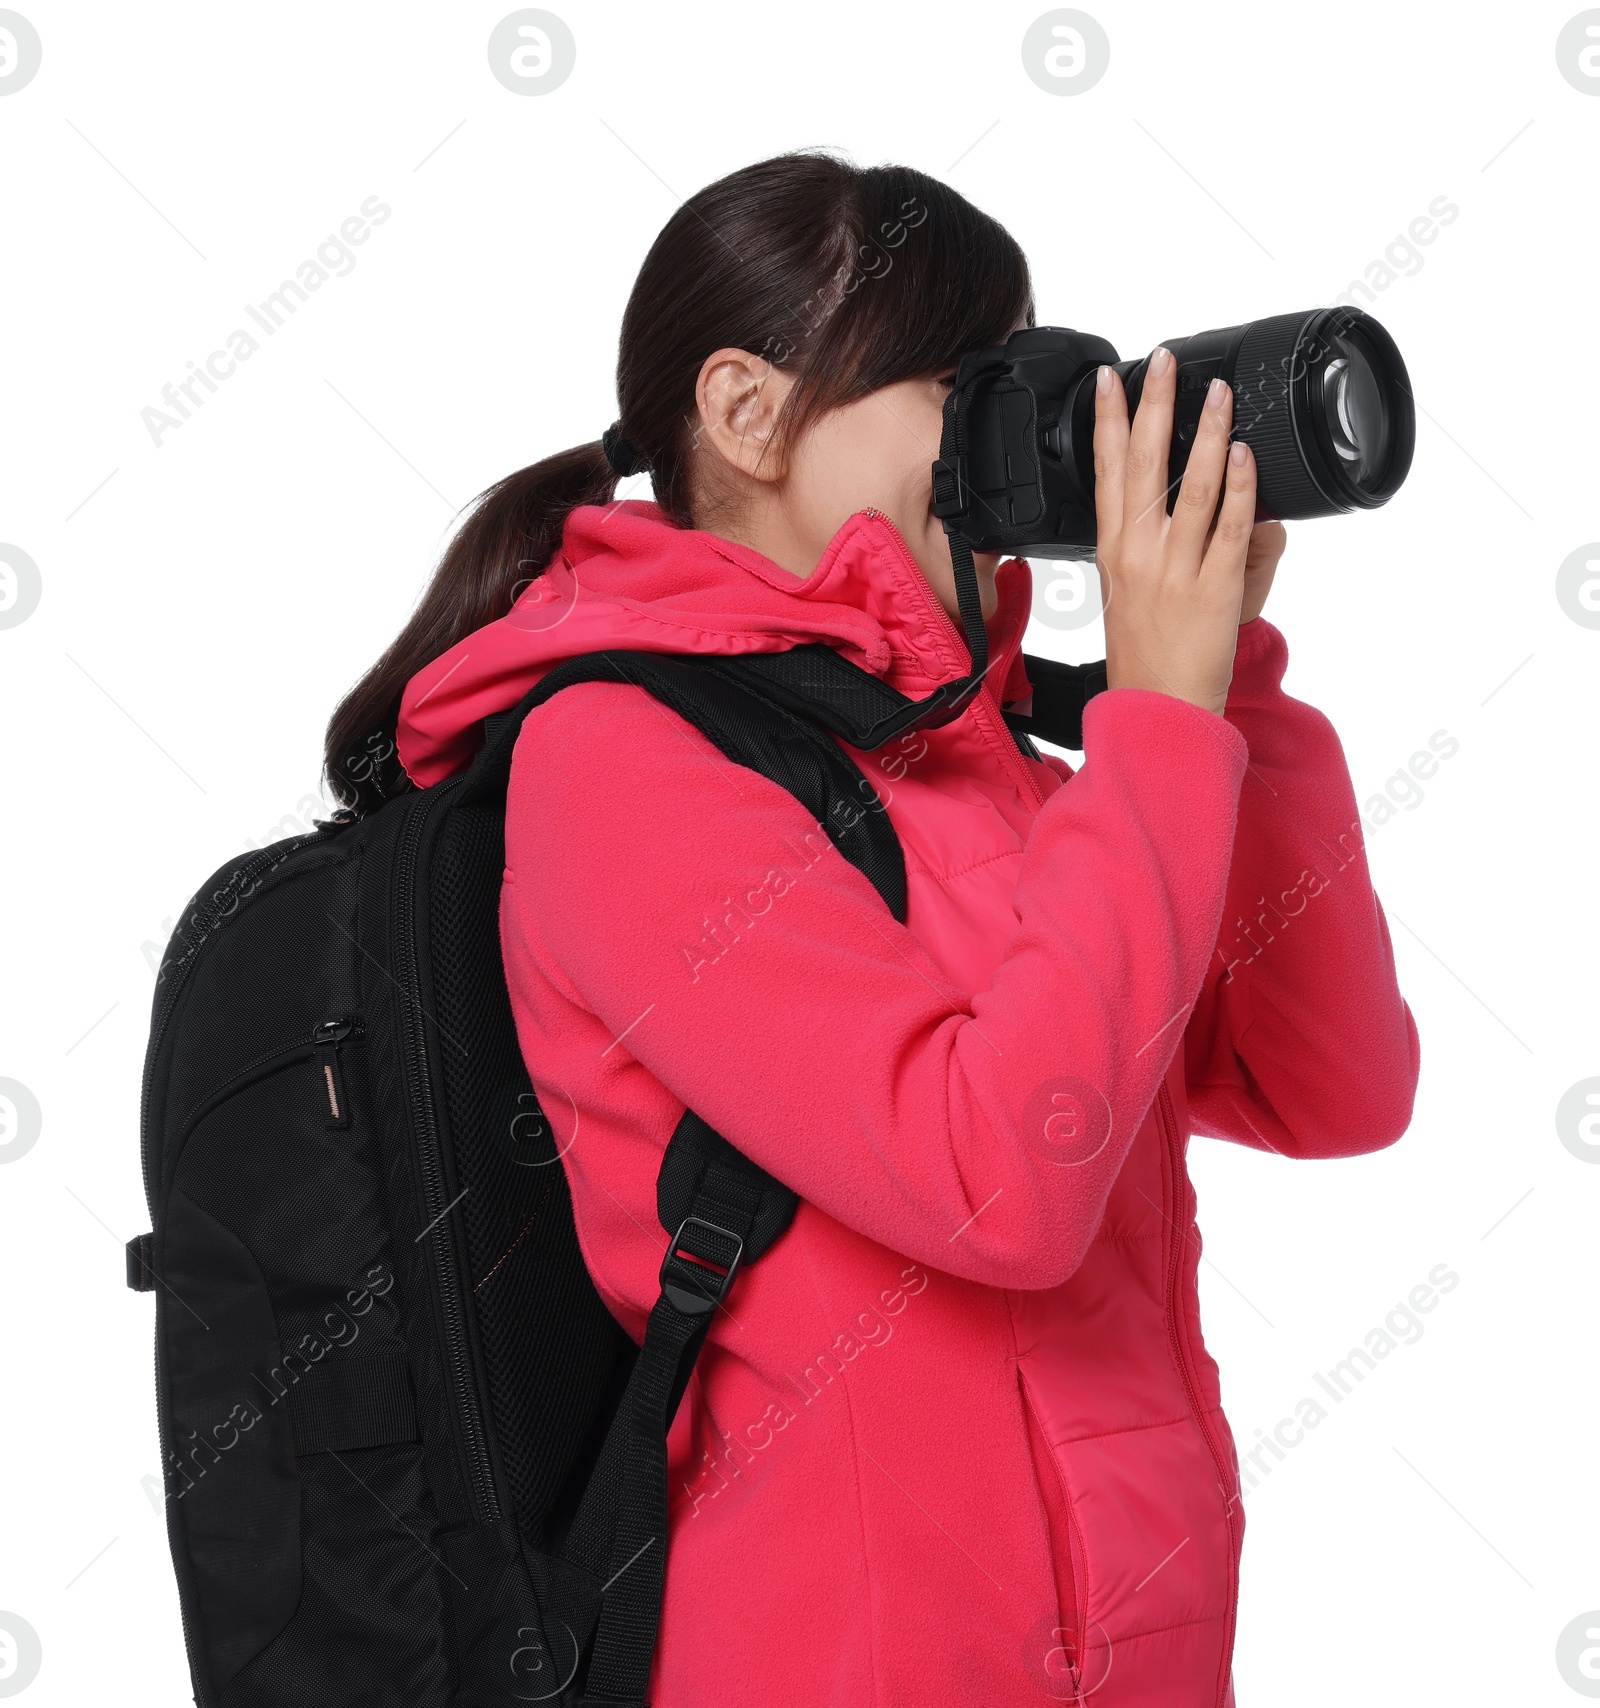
845	465
878	474
900	444
875	454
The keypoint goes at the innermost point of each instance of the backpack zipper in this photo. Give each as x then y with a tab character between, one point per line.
326	1037
984	704
347	1030
438	1227
1169	1122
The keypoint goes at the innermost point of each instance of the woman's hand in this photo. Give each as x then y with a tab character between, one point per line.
1172	586
1267	540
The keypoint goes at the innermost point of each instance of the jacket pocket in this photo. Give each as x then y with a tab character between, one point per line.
1059	1663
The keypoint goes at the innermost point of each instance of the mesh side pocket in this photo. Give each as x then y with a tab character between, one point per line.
549	1345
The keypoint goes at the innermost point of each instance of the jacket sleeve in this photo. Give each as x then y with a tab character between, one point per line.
1300	1042
697	910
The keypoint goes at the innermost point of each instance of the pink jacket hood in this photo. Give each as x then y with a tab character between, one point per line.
625	577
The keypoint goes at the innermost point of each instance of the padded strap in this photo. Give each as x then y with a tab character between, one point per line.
701	1171
1060	694
781	742
722	1211
819	683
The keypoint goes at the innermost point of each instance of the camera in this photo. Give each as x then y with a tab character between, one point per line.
1321	396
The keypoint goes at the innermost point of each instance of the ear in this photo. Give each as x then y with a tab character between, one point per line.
739	396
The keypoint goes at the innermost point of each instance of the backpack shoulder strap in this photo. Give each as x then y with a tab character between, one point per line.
779	737
1060	694
719	1209
726	1212
865	711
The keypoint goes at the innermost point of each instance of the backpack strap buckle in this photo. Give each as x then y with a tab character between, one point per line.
699	1267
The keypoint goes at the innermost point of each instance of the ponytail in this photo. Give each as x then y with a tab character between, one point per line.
509	538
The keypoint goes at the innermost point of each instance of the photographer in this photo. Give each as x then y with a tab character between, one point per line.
1031	1488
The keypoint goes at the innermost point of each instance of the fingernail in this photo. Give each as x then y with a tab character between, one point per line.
1102	380
1238	454
1159	358
1215	392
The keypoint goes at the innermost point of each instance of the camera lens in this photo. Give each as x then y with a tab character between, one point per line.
1322	397
1352	404
1325	402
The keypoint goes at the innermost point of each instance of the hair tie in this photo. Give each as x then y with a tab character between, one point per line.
622	457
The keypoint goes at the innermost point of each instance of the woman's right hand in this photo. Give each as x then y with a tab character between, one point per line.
1171	586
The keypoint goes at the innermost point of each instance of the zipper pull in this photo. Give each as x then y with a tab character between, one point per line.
328	1035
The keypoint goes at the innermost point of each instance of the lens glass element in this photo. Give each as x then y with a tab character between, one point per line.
1354	412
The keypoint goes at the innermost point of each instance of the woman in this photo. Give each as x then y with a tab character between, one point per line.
956	1439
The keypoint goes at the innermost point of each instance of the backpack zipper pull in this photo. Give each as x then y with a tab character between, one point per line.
328	1035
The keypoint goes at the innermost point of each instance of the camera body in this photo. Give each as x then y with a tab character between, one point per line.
1321	396
1009	474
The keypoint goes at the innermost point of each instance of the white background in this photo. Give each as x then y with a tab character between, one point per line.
205	602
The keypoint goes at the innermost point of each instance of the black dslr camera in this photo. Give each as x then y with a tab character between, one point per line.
1321	396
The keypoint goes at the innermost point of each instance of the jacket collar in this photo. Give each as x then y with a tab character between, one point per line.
868	568
625	577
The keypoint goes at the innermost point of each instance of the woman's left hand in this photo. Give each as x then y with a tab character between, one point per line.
1267	540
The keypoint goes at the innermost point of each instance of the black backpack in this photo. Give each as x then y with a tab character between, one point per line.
409	1456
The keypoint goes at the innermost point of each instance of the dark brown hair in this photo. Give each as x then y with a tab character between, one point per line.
848	278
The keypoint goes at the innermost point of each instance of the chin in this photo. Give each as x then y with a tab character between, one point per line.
986	563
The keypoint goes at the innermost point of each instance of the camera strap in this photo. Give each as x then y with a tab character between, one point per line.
817	682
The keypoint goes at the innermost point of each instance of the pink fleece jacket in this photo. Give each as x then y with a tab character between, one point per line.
956	1440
